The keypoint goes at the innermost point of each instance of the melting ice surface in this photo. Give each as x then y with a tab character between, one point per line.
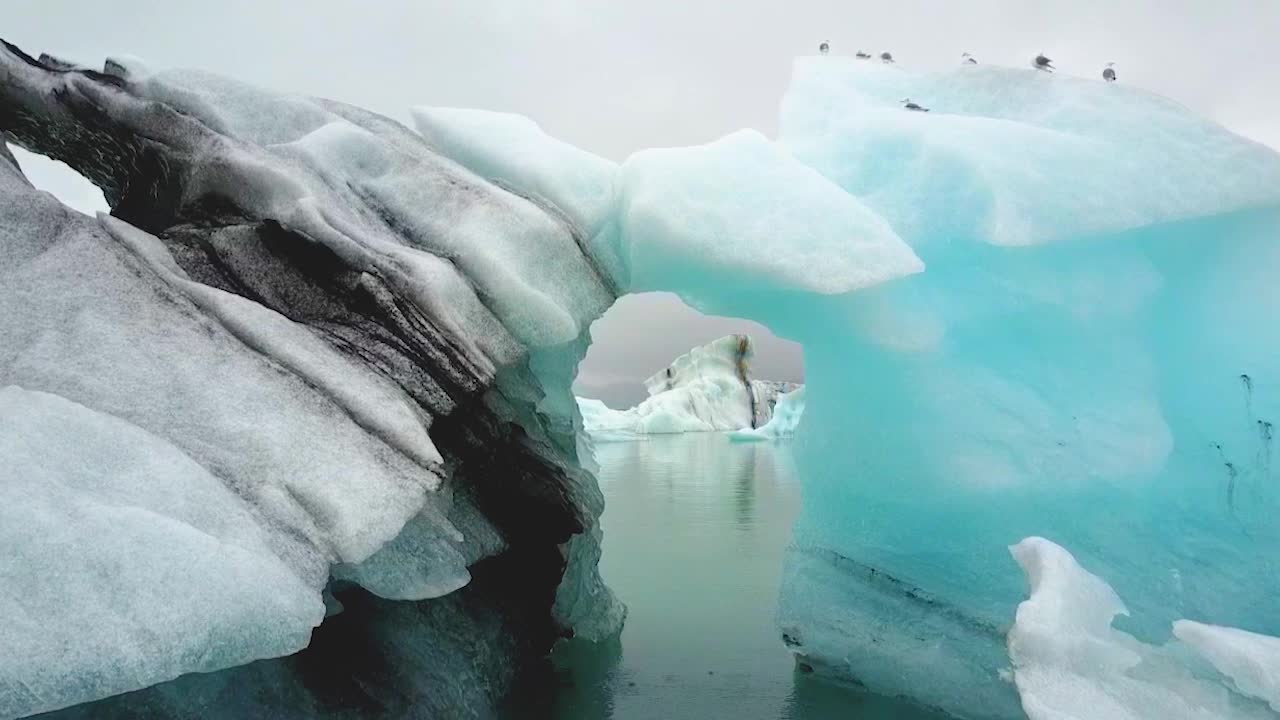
1068	660
1089	355
1047	308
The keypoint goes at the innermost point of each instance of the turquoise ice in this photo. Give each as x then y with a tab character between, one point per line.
1088	355
1046	309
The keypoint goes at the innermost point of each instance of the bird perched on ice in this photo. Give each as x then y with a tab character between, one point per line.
863	56
1109	73
886	57
1042	63
906	103
968	59
824	48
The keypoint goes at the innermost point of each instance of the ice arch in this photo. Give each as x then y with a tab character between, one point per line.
71	188
1088	354
1045	308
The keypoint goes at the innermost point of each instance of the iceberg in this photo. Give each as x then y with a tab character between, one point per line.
1088	356
707	389
1068	660
1044	309
277	383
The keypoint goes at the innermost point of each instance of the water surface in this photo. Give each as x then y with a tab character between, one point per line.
694	533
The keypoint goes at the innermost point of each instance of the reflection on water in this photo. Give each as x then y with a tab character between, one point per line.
694	533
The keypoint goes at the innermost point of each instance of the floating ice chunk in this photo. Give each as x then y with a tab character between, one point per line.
1252	661
705	406
707	389
126	563
1015	157
741	215
1068	662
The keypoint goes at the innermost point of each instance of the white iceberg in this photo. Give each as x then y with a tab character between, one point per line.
707	389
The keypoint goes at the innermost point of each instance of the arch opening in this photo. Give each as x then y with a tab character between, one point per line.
60	180
695	532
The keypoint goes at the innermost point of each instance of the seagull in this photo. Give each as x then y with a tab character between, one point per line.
824	48
886	56
1042	63
906	103
863	56
969	59
1109	74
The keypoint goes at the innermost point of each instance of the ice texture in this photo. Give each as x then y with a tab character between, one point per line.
1044	309
513	150
787	411
1250	660
1088	356
704	222
707	389
121	553
710	223
306	361
1009	157
1069	662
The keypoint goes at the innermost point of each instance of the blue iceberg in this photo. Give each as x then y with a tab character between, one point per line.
1089	356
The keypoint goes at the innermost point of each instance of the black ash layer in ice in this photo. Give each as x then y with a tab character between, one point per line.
305	356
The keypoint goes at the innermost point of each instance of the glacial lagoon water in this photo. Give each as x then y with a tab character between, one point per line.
695	529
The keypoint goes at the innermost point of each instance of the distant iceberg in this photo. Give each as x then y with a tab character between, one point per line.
707	389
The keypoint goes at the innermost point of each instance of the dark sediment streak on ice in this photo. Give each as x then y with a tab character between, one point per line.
173	172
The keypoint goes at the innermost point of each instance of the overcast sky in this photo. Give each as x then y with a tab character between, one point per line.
614	77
